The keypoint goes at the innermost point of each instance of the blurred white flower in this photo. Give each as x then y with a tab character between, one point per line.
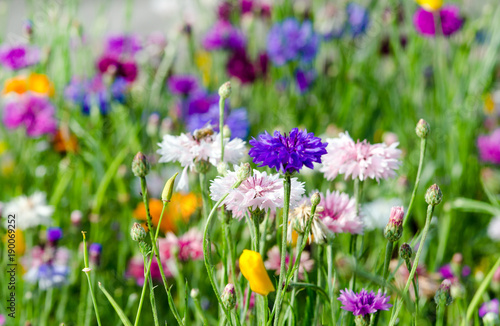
376	213
29	211
494	228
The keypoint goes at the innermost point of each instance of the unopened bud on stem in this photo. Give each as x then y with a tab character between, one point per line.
434	196
140	165
225	90
422	130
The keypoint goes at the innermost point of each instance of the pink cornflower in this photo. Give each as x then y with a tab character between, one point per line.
188	246
203	145
360	159
135	269
273	261
259	191
339	213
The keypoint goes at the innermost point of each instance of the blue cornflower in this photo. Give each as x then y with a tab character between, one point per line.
287	153
236	120
357	19
290	40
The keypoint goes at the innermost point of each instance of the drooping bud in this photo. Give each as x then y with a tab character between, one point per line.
225	90
315	199
138	233
243	173
228	296
434	196
422	130
405	251
443	296
394	229
140	165
168	190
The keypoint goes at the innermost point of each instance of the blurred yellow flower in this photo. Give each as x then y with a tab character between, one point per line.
20	245
17	84
252	268
489	104
430	5
180	209
36	83
204	63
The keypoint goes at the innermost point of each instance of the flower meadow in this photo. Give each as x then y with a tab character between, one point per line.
293	162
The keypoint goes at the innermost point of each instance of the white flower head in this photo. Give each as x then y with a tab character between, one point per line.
376	213
494	229
29	211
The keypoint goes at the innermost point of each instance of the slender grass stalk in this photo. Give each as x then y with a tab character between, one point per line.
354	237
152	298
119	311
423	146
87	273
221	126
440	309
430	210
331	284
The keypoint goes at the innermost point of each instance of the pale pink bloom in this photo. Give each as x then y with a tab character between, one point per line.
187	150
188	246
135	270
339	213
273	261
360	159
259	191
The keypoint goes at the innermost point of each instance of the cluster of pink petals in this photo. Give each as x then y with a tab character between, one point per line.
35	113
360	159
339	213
273	261
187	150
135	270
259	191
188	246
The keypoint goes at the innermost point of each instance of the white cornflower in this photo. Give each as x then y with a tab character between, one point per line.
29	211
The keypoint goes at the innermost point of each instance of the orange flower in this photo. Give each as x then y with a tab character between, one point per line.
180	209
41	84
64	141
17	85
253	269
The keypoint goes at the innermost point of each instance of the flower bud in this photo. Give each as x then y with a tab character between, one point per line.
222	168
140	165
227	131
228	296
491	319
443	296
138	233
195	293
422	130
315	199
243	173
405	251
202	166
225	90
168	190
394	229
434	196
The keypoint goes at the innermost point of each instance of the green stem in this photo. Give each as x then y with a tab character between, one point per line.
152	298
423	145
354	237
331	285
440	314
295	280
204	194
143	293
87	273
221	127
387	260
286	207
430	210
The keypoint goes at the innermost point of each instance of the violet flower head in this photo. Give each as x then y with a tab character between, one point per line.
240	66
224	36
358	19
491	306
287	153
35	113
489	147
183	84
364	302
304	79
19	56
290	40
236	120
54	234
122	44
450	20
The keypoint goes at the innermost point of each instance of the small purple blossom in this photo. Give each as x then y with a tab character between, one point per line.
240	66
225	36
122	44
489	147
35	113
491	306
304	79
450	20
54	234
18	56
290	40
364	302
287	153
183	84
236	120
446	271
358	19
126	69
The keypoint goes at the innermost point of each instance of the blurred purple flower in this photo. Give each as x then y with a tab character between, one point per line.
240	66
122	44
54	234
225	36
489	147
290	40
236	120
183	84
19	56
450	20
304	79
35	113
491	306
127	69
200	102
358	19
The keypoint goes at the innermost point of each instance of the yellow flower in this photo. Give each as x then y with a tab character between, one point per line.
430	5
204	63
18	84
19	242
252	268
489	104
41	84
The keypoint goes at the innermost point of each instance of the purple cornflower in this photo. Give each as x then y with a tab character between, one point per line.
19	56
491	306
223	35
126	69
449	16
200	102
363	303
489	147
357	19
122	44
290	40
183	84
304	79
54	234
287	153
240	66
236	120
35	113
447	271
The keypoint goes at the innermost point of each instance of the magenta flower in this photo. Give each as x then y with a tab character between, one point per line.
339	213
450	20
360	160
183	84
223	35
189	246
135	270
127	69
35	113
364	302
273	261
489	147
491	306
240	66
122	44
287	153
19	56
